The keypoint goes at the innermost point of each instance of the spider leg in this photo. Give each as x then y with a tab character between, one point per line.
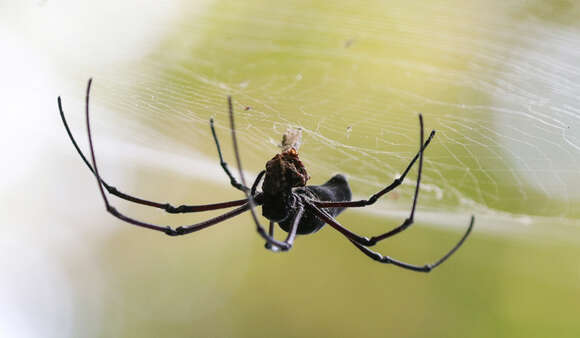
223	163
182	230
397	182
256	182
287	244
362	242
328	219
165	206
419	268
409	220
291	235
271	234
268	245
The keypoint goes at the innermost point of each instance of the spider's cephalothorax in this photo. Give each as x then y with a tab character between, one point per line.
285	198
285	187
284	172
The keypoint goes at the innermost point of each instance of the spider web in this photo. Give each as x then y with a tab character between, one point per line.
498	82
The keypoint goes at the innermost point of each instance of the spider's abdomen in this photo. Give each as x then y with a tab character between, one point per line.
336	189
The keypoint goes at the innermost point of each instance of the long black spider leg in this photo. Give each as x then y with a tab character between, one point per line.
328	219
268	245
223	163
291	235
409	220
271	234
360	242
165	206
182	230
375	197
284	246
419	268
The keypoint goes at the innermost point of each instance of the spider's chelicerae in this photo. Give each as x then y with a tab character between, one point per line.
285	198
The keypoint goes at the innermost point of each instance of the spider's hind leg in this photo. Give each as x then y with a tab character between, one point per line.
419	268
233	181
362	243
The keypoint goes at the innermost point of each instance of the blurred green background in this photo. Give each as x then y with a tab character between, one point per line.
498	80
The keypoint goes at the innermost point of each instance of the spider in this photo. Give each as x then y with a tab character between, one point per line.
285	198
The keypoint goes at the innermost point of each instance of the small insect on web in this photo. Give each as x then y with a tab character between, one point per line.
285	197
292	138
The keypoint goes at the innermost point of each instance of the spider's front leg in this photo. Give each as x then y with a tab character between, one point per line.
362	203
287	243
371	200
233	181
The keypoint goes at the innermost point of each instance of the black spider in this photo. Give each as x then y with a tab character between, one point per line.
285	198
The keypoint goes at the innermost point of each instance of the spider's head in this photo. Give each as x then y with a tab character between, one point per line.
284	172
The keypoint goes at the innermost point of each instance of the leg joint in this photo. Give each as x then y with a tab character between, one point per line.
287	247
174	232
110	188
175	210
112	210
170	232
